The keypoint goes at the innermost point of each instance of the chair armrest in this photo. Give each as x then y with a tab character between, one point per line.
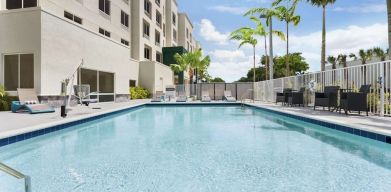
319	95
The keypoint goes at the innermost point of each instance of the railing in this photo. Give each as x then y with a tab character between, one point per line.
378	75
18	175
216	90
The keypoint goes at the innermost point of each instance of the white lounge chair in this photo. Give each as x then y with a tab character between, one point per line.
181	97
83	94
205	96
158	96
228	96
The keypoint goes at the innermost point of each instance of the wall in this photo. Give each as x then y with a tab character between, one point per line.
152	74
20	33
65	44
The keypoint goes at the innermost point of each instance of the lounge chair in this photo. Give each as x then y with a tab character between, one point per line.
296	98
205	96
82	93
283	97
181	97
158	97
228	96
351	101
328	98
28	102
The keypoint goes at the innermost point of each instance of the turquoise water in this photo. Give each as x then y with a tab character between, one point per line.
198	149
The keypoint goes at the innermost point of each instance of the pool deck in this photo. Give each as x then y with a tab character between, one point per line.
12	124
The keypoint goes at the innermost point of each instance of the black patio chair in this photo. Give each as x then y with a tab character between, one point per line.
283	97
329	98
351	101
296	98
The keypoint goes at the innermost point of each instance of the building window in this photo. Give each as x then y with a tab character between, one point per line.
188	46
101	84
104	32
148	7
174	35
173	19
18	4
164	30
158	19
158	57
187	33
18	71
157	2
191	38
146	29
124	19
147	53
104	6
123	41
72	17
132	83
157	38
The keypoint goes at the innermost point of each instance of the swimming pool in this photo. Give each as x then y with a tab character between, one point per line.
198	148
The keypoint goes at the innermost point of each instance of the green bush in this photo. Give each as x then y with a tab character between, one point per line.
5	100
139	93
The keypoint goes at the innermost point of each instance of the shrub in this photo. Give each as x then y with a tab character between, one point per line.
139	93
5	101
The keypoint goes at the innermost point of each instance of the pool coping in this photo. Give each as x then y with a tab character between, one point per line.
42	129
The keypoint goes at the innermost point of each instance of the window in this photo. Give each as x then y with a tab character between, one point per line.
174	34
18	71
146	29
157	38
100	82
124	19
104	6
164	30
123	41
158	19
191	38
157	2
148	7
73	17
158	57
173	19
18	4
188	46
132	83
104	32
187	33
147	53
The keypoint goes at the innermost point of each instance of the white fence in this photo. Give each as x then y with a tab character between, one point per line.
379	101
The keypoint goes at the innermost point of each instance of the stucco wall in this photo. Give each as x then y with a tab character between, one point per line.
155	76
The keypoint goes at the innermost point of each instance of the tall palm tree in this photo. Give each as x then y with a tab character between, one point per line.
353	56
342	61
365	56
333	61
245	35
287	14
191	60
267	14
260	30
380	53
323	4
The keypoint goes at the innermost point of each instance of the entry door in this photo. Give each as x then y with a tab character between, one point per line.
101	84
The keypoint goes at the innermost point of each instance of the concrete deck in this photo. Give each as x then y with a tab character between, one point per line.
375	124
12	124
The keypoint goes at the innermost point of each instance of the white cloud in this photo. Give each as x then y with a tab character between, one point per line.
364	8
229	9
209	33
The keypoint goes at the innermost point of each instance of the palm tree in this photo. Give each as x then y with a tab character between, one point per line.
245	35
323	4
380	53
365	56
267	14
342	60
333	61
261	31
353	56
192	60
287	14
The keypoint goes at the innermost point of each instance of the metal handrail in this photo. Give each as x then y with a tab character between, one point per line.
18	175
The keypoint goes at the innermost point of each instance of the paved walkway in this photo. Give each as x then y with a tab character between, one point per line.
381	125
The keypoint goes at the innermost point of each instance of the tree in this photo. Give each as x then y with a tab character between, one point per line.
259	75
353	56
380	53
365	56
217	80
333	61
287	14
342	60
389	25
297	65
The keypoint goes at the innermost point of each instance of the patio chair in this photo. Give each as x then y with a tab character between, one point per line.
28	102
296	98
205	96
83	94
351	101
181	97
328	98
228	96
158	96
283	97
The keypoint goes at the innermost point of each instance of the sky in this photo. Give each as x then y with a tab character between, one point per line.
351	25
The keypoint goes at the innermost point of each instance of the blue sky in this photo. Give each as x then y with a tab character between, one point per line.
351	25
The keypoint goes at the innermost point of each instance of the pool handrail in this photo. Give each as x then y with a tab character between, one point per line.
27	180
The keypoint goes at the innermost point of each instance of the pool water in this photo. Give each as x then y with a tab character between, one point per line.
198	149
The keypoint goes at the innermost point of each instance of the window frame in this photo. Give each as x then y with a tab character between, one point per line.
146	25
105	10
104	32
22	4
73	17
124	19
2	67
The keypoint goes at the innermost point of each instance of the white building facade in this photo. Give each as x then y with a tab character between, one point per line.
43	42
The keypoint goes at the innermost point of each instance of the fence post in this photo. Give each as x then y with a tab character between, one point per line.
381	82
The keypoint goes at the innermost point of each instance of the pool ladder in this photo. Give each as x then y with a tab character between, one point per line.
18	175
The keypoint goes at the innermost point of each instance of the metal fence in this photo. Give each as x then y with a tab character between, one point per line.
376	74
216	90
